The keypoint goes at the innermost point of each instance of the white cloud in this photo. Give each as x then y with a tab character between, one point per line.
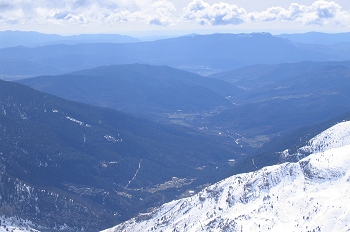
320	12
216	14
43	12
163	12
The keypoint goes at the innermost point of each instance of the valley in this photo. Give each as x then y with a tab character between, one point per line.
258	104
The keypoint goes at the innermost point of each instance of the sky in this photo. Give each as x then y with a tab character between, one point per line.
170	17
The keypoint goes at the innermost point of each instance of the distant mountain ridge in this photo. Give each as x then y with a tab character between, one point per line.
256	76
33	39
318	38
240	111
310	195
143	90
285	94
203	54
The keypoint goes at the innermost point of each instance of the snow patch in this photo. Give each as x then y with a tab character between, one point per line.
76	121
137	171
110	138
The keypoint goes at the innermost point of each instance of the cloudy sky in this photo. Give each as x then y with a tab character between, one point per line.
147	17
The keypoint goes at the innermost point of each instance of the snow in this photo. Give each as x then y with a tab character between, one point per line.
137	171
76	121
110	138
310	195
336	136
16	225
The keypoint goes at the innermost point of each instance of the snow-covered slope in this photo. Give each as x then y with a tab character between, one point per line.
336	136
310	195
16	224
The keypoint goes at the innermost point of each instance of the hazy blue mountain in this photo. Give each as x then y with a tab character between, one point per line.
19	69
32	39
204	54
318	38
144	90
281	98
273	100
88	167
257	76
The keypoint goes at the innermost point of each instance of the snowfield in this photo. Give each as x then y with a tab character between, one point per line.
310	195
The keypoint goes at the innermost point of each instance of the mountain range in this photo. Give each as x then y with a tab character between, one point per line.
35	39
117	127
67	163
142	90
318	87
247	106
310	195
196	53
279	98
318	38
